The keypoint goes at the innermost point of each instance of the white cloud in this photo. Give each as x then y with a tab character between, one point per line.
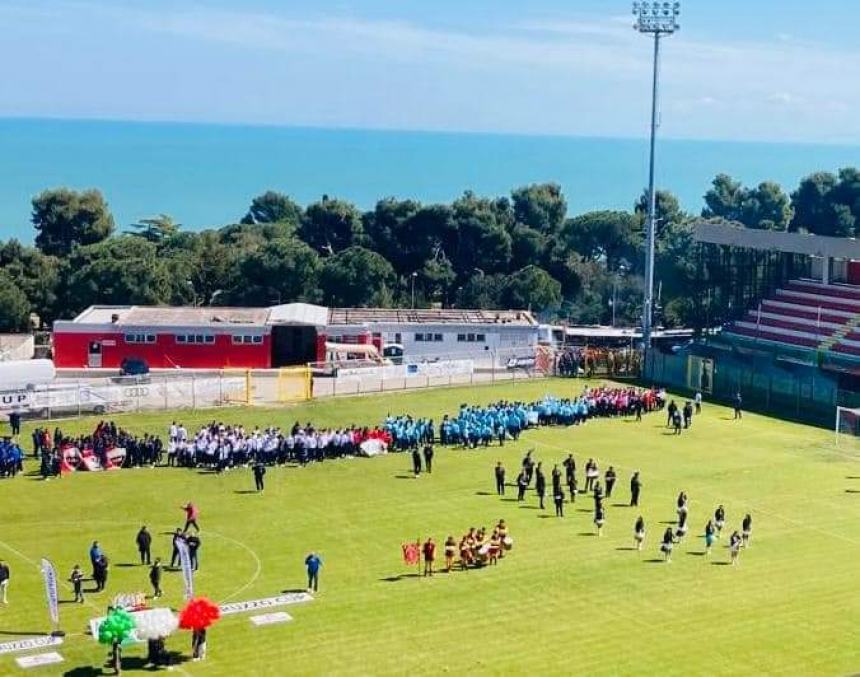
542	74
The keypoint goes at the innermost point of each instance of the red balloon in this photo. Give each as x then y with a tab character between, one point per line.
198	614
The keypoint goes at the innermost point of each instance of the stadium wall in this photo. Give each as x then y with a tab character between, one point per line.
768	385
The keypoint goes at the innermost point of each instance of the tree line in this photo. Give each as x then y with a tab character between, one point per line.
519	251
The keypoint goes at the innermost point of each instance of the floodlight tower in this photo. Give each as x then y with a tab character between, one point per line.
657	19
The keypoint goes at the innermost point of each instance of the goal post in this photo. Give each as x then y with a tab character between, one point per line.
848	427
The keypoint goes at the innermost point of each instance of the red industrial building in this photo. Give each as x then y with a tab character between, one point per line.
262	338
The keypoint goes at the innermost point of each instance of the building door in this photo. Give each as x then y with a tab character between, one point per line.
292	345
94	354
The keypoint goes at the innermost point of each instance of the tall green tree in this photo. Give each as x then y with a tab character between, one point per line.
725	199
273	207
332	225
65	218
157	229
482	240
357	277
281	271
766	207
388	233
541	206
812	204
14	306
35	274
532	287
121	270
611	236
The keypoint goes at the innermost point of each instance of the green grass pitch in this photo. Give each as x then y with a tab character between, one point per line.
564	601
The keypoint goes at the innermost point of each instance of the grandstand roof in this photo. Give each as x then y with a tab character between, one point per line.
776	241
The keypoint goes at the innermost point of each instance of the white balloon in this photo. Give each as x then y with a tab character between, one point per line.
155	623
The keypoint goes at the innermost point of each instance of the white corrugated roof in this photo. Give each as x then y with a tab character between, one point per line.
298	313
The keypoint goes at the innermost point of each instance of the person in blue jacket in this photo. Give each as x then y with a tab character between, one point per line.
313	562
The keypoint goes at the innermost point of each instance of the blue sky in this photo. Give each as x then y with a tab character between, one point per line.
760	70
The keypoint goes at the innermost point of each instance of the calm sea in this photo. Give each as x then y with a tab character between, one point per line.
205	175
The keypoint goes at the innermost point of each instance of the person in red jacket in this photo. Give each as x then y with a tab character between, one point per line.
191	514
429	556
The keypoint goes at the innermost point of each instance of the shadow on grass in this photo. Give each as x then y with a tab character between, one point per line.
483	493
625	548
852	491
586	533
529	507
721	564
852	477
654	560
292	590
584	510
697	553
399	577
404	477
668	522
511	500
545	517
21	633
621	505
246	491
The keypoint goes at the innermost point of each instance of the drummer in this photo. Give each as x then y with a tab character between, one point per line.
465	553
502	528
450	552
495	547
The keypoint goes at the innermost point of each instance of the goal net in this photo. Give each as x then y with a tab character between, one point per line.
848	428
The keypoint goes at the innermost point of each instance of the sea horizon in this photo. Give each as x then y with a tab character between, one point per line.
204	174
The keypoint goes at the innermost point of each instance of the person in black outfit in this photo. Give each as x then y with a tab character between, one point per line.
738	404
428	458
259	473
540	484
522	484
635	488
556	479
500	479
193	541
155	578
15	423
144	544
670	413
688	414
610	478
100	573
558	499
416	461
528	466
174	557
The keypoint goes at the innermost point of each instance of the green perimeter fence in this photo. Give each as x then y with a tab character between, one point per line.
784	389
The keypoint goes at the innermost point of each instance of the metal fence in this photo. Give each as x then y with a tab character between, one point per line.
202	389
784	389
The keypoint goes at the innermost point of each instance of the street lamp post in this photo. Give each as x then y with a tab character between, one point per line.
657	19
414	275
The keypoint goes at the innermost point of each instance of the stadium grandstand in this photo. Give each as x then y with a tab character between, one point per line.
778	321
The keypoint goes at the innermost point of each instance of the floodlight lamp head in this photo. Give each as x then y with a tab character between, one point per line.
656	17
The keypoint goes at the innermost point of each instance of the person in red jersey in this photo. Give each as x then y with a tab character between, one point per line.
429	550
